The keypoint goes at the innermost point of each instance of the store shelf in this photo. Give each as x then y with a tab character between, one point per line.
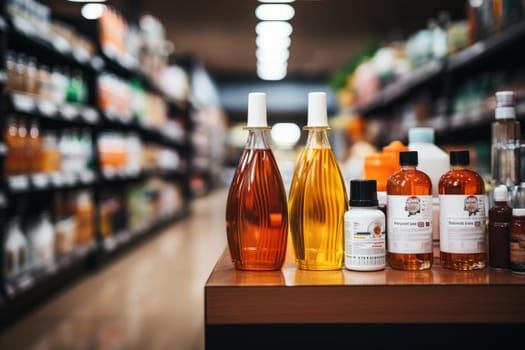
25	36
399	89
66	112
19	184
117	121
432	71
34	279
492	45
119	241
124	175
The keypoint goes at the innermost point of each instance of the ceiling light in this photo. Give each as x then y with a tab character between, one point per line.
274	12
92	11
271	75
271	55
286	134
271	71
267	42
273	28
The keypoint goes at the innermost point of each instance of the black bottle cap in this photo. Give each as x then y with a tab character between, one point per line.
408	158
363	193
459	158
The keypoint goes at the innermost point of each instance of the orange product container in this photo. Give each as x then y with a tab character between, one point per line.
376	169
391	152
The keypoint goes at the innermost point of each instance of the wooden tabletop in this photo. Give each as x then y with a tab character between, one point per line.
390	296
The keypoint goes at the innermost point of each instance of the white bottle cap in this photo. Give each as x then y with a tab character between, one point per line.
317	109
257	110
420	135
501	193
505	105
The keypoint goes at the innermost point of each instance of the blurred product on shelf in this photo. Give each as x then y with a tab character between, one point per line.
26	75
126	153
506	143
375	68
488	17
41	237
15	255
144	48
381	165
127	101
135	207
39	151
34	18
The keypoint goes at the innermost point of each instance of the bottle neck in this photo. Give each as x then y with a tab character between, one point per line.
257	138
458	167
317	137
408	167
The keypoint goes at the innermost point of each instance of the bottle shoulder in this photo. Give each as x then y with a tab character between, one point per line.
461	176
406	178
364	212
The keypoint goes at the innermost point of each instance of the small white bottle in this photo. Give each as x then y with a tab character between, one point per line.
15	250
364	225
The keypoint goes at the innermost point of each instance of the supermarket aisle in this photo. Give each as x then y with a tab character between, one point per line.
150	298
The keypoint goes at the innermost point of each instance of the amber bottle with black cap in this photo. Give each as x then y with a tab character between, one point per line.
462	216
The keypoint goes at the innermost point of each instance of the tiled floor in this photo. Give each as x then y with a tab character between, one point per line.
150	298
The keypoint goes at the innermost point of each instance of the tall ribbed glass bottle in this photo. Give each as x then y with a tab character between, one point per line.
318	199
256	209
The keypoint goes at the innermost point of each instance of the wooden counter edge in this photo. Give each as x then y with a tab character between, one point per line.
422	303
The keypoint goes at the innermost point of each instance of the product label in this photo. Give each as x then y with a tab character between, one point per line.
517	249
409	224
365	242
463	223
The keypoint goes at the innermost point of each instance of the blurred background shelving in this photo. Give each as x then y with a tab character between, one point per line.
99	120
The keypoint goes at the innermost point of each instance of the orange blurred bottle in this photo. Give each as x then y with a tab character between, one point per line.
409	196
380	166
12	160
391	154
462	216
34	148
256	209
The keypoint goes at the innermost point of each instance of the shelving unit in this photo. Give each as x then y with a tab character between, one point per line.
30	288
500	51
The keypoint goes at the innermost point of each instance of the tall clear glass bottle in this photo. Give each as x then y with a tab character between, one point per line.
505	150
317	200
256	209
463	216
409	214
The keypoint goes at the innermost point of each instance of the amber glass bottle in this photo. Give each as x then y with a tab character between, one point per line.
318	199
409	215
256	209
462	216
